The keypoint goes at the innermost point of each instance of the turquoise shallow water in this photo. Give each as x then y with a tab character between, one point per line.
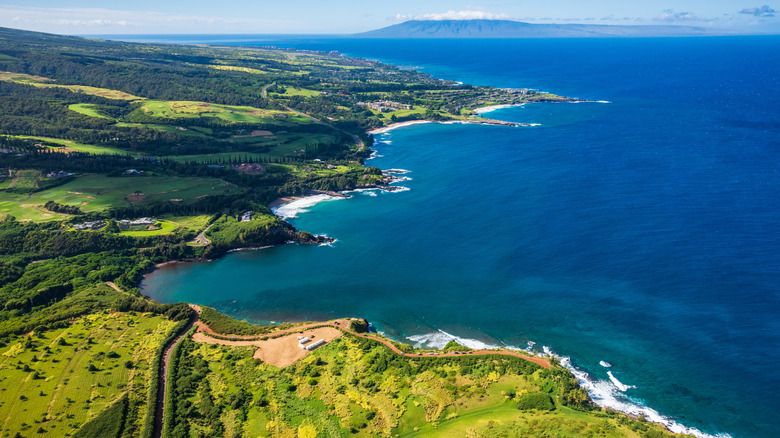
642	232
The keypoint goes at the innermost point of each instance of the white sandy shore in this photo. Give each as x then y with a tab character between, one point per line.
397	125
487	109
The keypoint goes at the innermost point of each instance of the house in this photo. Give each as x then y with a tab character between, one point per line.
126	223
247	216
251	168
59	174
133	172
94	225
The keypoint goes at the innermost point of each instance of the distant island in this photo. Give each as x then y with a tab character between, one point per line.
517	29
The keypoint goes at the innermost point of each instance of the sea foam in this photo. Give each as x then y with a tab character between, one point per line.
292	209
440	338
609	394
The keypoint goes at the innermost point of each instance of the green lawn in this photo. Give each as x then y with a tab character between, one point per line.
88	110
47	385
98	192
70	146
191	109
305	92
164	227
194	223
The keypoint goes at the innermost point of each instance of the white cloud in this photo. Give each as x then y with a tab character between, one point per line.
86	20
454	15
763	11
669	15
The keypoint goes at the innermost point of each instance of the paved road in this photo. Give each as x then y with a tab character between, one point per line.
355	138
201	239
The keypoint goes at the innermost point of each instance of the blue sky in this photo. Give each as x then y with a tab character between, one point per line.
83	17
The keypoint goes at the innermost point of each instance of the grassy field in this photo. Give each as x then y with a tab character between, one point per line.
18	206
39	81
55	381
88	110
194	223
228	229
237	114
25	179
291	91
72	146
355	387
163	227
98	192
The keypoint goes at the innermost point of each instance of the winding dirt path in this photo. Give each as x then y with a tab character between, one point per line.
343	325
163	374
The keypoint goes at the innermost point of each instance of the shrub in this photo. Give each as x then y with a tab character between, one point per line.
538	400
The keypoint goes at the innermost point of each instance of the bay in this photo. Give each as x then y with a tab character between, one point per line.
642	232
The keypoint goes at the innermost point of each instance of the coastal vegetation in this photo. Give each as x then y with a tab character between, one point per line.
115	157
354	386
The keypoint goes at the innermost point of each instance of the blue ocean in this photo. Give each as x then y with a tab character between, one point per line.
642	230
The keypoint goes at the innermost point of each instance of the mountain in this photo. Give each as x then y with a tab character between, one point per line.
517	29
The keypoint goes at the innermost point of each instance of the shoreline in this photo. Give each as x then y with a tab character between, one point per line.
475	121
491	108
603	398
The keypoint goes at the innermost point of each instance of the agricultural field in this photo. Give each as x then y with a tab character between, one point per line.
357	387
54	381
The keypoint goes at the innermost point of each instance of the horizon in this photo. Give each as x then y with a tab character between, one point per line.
344	17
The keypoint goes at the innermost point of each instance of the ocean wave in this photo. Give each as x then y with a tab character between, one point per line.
327	243
374	154
440	338
397	171
603	101
608	394
292	209
396	179
620	385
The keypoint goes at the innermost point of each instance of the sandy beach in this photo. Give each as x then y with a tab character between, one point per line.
397	125
487	109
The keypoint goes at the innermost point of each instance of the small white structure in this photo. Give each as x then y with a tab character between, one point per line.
315	345
303	341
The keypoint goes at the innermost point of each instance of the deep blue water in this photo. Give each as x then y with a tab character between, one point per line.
643	232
